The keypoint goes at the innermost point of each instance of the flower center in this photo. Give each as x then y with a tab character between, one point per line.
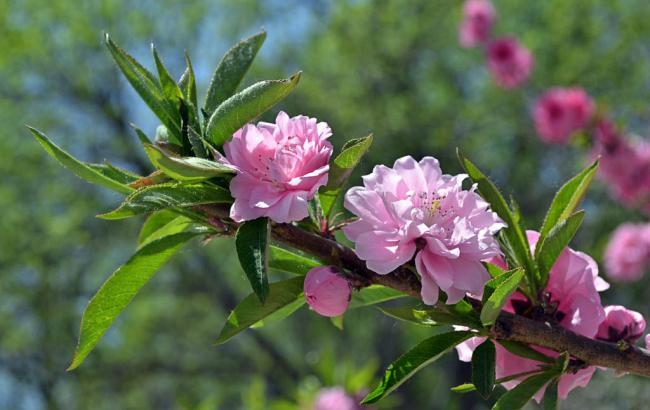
283	164
429	203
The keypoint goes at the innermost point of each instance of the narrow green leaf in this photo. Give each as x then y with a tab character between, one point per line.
287	261
523	350
163	196
187	82
120	288
513	232
252	243
341	168
410	315
80	169
500	295
245	106
116	174
415	359
464	388
493	283
567	199
250	310
523	392
551	401
148	87
337	321
187	169
483	368
374	294
171	90
558	238
157	226
281	314
231	71
494	270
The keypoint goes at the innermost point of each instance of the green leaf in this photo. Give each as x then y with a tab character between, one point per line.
157	226
410	315
171	90
231	71
245	106
148	87
499	297
187	169
252	243
80	169
120	288
116	174
157	197
551	401
513	232
567	199
550	248
341	168
250	310
523	392
483	368
415	359
281	314
287	261
187	83
494	270
337	321
493	283
373	294
523	350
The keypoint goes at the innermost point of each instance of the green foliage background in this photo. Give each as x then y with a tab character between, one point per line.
393	68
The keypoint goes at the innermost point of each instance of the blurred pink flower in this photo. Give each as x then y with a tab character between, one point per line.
624	165
573	300
413	209
621	324
326	292
628	252
334	398
560	112
509	62
478	18
280	166
647	341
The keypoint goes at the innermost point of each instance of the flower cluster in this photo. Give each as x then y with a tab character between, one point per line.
414	210
627	255
508	61
571	300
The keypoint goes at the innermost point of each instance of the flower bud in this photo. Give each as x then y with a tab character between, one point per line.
326	292
621	324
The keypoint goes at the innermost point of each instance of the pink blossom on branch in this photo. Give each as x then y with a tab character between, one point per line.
326	292
628	252
478	19
280	167
572	300
621	324
509	62
560	112
412	210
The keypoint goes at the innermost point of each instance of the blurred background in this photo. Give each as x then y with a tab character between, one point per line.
393	68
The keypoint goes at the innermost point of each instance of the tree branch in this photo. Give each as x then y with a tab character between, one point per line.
507	327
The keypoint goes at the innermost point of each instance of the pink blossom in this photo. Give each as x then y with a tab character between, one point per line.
647	341
412	210
280	166
478	18
326	292
621	324
560	112
628	252
624	165
334	398
572	300
509	62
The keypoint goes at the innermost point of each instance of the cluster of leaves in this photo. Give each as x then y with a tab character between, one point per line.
190	186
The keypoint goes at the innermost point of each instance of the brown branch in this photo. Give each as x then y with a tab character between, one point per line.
507	327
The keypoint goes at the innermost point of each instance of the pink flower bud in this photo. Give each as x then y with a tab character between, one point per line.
327	292
334	398
560	112
621	324
509	62
479	16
